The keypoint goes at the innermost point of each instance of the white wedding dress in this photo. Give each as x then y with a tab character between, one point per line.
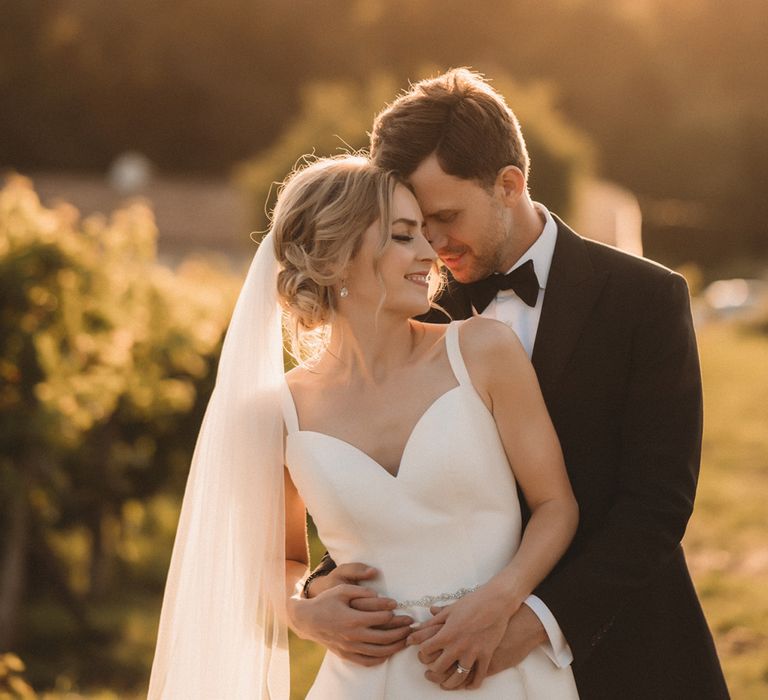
449	520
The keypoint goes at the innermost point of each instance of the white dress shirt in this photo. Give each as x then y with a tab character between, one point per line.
524	320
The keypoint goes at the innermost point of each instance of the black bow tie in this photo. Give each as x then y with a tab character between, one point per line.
522	280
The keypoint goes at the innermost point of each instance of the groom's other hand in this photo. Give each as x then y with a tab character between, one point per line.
350	620
524	633
343	573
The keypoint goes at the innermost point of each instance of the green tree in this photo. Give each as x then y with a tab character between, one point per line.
106	359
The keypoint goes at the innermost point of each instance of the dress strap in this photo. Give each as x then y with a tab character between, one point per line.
454	354
288	406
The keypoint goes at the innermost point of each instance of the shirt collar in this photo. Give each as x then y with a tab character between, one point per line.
543	248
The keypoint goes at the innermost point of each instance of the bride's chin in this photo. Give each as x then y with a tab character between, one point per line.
419	309
416	308
408	308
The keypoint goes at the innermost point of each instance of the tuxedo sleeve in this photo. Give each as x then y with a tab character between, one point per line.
656	475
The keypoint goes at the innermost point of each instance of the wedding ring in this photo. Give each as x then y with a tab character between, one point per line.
460	669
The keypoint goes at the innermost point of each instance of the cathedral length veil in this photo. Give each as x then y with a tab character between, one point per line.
222	628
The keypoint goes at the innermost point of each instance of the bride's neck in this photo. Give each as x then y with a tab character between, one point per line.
369	348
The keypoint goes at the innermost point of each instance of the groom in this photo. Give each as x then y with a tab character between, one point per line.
611	339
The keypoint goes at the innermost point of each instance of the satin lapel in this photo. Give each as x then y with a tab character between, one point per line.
572	289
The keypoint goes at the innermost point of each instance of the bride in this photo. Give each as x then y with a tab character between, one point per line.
405	441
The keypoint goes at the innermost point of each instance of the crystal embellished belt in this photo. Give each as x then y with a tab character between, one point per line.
429	600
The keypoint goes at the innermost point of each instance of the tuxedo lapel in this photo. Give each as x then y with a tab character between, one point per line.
572	289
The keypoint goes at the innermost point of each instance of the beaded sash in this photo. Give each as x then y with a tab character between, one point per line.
428	601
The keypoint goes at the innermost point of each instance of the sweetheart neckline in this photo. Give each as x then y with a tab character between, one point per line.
408	441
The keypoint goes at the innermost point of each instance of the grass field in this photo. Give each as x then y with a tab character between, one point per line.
727	539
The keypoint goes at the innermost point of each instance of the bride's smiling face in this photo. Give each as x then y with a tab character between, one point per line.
399	281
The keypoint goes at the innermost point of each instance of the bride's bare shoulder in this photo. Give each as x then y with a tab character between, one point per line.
487	344
486	334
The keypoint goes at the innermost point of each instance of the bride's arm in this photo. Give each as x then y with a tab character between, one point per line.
505	380
296	547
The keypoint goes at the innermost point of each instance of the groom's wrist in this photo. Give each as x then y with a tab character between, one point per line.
530	626
525	630
324	568
306	589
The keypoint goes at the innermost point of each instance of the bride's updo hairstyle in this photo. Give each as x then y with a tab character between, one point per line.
323	208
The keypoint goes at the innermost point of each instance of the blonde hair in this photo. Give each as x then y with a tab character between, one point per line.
323	209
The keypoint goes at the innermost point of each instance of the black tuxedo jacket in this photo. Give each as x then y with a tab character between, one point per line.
616	359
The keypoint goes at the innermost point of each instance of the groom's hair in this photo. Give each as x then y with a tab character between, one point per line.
459	117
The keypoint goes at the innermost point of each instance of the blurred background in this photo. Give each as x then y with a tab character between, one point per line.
139	146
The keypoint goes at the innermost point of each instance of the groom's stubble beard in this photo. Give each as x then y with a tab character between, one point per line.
489	252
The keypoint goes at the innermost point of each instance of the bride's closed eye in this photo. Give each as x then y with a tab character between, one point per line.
402	237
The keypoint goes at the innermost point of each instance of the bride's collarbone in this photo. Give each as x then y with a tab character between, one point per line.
375	415
361	412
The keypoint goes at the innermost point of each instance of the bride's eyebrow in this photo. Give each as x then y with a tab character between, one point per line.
408	222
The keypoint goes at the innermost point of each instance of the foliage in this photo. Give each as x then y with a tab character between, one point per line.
106	359
335	117
12	683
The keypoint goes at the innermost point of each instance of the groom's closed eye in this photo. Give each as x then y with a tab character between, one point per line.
444	217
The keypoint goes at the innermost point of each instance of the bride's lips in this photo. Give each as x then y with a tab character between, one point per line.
420	278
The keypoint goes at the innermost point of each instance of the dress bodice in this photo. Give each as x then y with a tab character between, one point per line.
450	518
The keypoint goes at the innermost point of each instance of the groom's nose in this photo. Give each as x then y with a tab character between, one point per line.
426	250
436	239
445	246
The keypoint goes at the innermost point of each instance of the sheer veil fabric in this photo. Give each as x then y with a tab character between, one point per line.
222	628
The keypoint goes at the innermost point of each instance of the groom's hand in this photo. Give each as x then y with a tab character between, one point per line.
343	573
350	620
353	574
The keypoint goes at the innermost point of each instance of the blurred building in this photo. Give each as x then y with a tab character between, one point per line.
192	214
609	213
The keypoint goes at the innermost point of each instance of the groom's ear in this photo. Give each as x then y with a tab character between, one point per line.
511	183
